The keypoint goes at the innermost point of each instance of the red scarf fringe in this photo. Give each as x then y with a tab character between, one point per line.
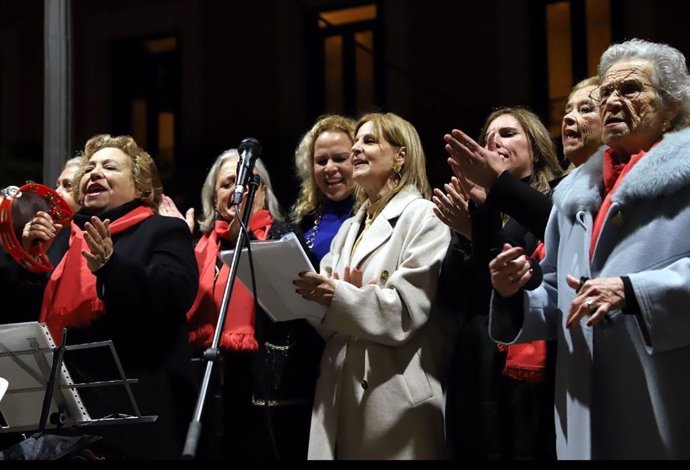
526	361
238	329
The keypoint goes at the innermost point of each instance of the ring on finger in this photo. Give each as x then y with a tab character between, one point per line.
589	303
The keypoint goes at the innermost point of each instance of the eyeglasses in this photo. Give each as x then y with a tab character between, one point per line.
629	88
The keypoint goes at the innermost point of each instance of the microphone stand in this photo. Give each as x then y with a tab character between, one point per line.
212	353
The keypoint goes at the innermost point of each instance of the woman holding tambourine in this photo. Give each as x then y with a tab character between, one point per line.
122	273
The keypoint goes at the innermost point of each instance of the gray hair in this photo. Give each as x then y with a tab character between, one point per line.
208	191
669	72
74	161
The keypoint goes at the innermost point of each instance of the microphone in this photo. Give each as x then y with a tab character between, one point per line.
537	275
250	151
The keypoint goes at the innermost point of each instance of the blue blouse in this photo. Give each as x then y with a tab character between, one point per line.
322	232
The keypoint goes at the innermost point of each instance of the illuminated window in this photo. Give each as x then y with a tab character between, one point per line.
329	19
598	32
564	24
145	103
560	61
347	60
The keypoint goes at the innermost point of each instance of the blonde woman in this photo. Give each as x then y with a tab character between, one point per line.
380	393
326	196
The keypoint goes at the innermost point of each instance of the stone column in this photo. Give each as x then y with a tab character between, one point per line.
57	88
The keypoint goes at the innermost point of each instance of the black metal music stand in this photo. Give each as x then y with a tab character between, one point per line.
41	393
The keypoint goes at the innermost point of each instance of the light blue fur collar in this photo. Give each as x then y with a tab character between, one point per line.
663	171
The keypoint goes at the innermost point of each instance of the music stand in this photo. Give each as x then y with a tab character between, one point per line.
41	393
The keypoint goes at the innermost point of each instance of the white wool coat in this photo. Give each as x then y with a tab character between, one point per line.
380	390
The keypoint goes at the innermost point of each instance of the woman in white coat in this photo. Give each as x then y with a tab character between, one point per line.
380	394
616	284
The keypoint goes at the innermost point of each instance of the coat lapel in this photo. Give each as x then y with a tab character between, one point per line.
379	231
381	228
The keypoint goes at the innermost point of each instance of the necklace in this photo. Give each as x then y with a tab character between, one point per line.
314	230
367	222
371	213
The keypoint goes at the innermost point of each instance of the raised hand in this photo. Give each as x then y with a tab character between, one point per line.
473	191
168	208
478	164
452	207
99	242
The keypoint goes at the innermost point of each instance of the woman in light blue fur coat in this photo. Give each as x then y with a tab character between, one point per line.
616	289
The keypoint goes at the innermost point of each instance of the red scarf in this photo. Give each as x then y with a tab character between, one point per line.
70	297
527	361
614	173
238	330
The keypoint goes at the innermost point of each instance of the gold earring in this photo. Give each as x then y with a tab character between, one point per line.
397	171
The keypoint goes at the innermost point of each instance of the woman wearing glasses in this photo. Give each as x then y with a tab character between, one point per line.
617	271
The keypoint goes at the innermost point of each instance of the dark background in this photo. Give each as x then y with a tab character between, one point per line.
256	68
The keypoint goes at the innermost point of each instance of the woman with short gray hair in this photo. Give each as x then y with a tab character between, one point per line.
616	283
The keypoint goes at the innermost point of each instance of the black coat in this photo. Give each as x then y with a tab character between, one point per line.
489	415
147	286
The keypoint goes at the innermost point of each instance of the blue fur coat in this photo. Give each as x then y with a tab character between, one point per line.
622	385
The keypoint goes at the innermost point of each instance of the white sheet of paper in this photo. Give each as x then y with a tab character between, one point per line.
276	264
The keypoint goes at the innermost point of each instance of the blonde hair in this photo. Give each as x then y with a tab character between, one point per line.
147	183
399	133
546	166
587	82
208	191
309	198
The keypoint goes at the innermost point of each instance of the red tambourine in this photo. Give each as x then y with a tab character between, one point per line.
17	207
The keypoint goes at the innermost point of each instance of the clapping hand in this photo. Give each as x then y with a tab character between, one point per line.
452	207
168	208
99	242
477	164
354	276
510	270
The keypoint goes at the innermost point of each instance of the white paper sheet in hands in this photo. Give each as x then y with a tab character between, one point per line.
276	264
